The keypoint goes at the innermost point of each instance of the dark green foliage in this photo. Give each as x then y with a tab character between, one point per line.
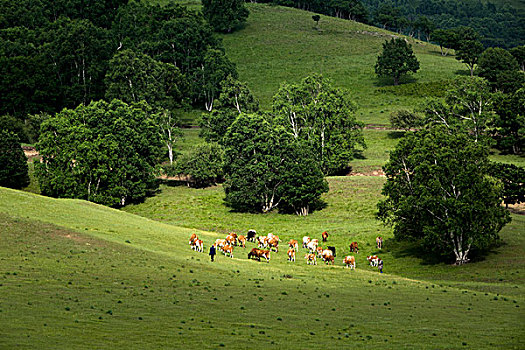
103	152
134	77
224	15
215	69
509	121
235	98
519	54
468	47
203	165
317	112
513	179
265	168
396	60
445	38
406	120
495	61
438	192
13	162
14	125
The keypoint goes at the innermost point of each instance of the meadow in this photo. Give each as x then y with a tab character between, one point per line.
76	274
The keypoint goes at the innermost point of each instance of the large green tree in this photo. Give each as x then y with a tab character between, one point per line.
202	166
13	162
224	15
105	152
513	179
322	115
495	61
396	60
437	191
468	47
235	98
509	122
266	168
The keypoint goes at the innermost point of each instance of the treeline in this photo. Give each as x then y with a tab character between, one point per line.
58	54
499	25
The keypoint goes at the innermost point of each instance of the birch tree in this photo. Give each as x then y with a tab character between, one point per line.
438	192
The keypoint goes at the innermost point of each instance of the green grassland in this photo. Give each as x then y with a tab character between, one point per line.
79	275
280	44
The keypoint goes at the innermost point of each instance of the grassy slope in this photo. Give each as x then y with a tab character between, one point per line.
69	279
281	44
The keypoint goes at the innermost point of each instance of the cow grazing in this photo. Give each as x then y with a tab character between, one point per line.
333	250
242	241
349	261
312	246
306	240
250	236
192	238
319	251
291	254
199	245
258	254
293	244
274	243
325	236
228	250
266	254
262	241
379	242
219	243
230	240
354	248
373	260
327	256
310	259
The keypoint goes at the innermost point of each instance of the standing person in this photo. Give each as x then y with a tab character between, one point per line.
380	265
212	252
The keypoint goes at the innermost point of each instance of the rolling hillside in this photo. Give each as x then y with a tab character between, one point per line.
79	275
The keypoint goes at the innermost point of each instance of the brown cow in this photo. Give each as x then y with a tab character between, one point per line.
325	236
192	238
263	241
310	259
266	254
373	260
306	240
242	241
349	261
228	250
379	242
258	254
230	239
354	248
293	244
199	245
291	254
274	243
319	251
328	256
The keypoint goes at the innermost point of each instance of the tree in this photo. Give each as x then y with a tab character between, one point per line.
446	39
13	161
316	19
509	121
135	77
519	54
424	25
396	60
203	165
235	98
468	107
513	179
468	48
169	130
216	68
103	152
493	62
437	191
224	15
317	112
265	168
406	120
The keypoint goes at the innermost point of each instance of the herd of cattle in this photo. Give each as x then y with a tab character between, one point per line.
267	244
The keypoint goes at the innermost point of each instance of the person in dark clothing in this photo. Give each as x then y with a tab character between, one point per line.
212	252
380	265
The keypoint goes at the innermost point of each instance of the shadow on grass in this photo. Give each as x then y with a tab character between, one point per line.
387	81
403	249
462	72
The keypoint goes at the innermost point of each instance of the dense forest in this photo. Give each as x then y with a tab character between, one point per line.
499	25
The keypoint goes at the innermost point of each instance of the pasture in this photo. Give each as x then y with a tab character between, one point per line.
76	274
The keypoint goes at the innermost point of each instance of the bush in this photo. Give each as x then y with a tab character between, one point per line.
405	119
13	162
202	165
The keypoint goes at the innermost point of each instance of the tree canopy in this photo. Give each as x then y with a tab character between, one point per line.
396	60
323	116
224	15
437	191
13	161
103	152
